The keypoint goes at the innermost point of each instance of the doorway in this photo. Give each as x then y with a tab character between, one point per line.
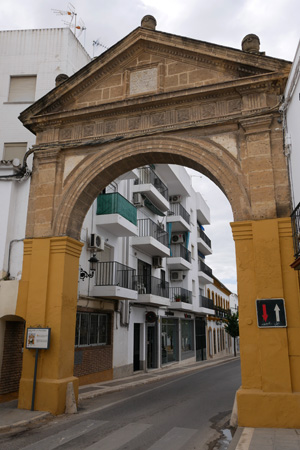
152	346
200	339
136	346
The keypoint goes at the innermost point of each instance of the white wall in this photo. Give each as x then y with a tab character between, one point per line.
45	53
292	131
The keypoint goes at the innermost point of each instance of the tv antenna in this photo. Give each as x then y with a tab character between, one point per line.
71	12
97	43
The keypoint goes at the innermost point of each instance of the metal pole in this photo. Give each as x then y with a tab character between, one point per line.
34	378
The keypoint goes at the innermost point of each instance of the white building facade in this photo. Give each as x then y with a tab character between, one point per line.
30	61
149	297
291	113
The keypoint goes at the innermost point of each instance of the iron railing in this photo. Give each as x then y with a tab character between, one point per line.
205	302
202	267
295	216
146	284
179	250
115	203
176	209
147	227
179	294
204	237
112	273
147	175
221	312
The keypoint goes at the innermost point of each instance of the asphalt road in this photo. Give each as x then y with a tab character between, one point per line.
180	413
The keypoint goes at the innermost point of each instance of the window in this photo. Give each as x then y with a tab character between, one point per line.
14	150
22	89
92	329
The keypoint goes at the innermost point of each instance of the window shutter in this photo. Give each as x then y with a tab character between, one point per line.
22	89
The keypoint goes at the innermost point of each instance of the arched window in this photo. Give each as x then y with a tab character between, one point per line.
213	296
208	293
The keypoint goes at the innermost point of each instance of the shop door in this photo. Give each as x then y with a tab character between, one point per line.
151	347
200	339
136	347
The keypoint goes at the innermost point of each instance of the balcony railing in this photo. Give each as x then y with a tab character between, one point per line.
115	203
220	312
147	227
179	250
295	216
204	237
176	209
151	285
147	175
178	294
202	267
205	302
112	273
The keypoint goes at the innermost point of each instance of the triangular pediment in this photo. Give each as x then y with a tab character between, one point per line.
148	63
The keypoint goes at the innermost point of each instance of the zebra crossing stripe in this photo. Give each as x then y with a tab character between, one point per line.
120	437
64	436
175	439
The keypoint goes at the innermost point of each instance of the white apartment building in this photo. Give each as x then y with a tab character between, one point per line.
150	301
30	62
291	113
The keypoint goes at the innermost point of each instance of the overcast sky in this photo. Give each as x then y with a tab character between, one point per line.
224	22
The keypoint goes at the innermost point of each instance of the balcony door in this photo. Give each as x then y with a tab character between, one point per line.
144	275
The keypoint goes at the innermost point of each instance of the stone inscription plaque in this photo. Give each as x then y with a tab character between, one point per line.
143	81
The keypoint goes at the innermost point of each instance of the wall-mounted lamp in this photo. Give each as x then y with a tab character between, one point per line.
93	265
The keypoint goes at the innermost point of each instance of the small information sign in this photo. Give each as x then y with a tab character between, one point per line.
38	338
271	313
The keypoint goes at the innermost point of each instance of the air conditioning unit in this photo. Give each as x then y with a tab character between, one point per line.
157	262
175	198
96	242
177	238
176	275
138	199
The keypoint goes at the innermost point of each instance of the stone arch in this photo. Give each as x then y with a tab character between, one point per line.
91	175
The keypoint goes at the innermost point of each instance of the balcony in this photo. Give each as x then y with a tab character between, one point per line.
116	215
152	187
178	217
203	242
152	290
295	216
205	302
204	273
181	299
114	280
202	209
221	313
151	239
180	257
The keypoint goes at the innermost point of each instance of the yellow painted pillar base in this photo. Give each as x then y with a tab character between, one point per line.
270	357
48	298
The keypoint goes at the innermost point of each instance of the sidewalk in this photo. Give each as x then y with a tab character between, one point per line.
244	438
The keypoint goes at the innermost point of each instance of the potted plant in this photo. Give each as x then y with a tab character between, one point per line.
177	298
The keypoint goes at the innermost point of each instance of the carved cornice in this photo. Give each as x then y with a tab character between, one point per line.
147	103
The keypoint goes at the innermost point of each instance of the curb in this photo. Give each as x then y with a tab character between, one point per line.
21	423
